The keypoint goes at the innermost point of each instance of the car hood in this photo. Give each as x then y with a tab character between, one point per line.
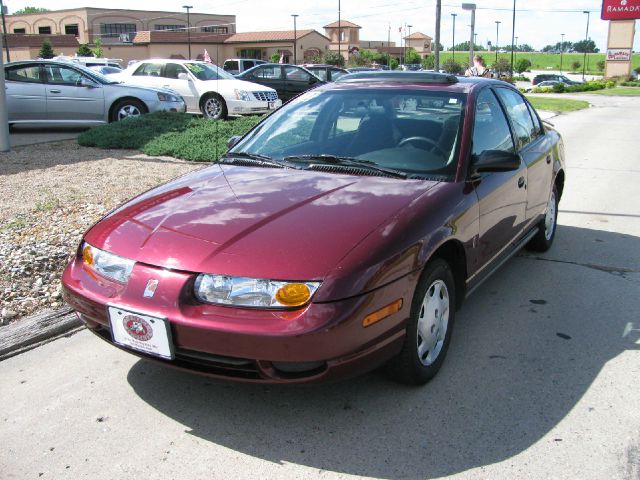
229	85
255	222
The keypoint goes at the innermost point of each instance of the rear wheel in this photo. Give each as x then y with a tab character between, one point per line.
214	107
542	240
430	326
127	108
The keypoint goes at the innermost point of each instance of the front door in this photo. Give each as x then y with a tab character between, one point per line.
73	96
184	86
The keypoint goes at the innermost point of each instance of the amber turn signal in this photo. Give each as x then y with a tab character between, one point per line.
87	254
293	294
383	313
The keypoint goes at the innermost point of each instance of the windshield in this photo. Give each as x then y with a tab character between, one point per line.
205	71
409	130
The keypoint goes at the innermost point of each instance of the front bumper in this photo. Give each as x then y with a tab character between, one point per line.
319	342
240	107
158	106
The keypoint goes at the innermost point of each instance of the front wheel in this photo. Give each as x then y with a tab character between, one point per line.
542	240
127	108
430	326
214	107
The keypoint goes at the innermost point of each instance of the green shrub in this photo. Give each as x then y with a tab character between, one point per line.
631	83
172	134
558	87
575	66
502	66
520	78
601	64
451	66
522	65
428	62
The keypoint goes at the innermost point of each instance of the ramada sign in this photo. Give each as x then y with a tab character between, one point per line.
620	9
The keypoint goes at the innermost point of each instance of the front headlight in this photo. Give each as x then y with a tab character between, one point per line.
167	97
107	264
253	292
242	95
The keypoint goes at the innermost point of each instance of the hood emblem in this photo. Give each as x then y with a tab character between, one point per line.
150	289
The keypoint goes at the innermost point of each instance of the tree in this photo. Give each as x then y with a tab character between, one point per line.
428	62
98	51
464	47
84	51
451	66
412	56
525	47
502	66
588	46
275	57
334	58
575	66
393	63
601	65
31	10
46	51
522	65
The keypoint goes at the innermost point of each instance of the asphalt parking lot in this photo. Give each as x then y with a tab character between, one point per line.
541	379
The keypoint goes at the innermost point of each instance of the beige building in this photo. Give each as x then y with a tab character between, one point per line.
137	35
420	42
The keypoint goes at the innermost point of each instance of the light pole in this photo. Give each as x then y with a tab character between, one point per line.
516	48
295	39
436	58
405	42
561	50
4	31
513	33
5	145
189	7
586	38
498	22
453	40
472	7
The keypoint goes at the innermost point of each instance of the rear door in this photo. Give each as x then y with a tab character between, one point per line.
270	76
535	149
147	74
25	92
297	81
502	196
68	99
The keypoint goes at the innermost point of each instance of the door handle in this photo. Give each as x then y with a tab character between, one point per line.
521	182
548	158
55	91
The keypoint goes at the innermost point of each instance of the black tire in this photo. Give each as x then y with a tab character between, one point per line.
213	107
127	108
543	240
412	366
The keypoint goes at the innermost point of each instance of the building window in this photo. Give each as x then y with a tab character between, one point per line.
44	30
214	29
19	30
72	29
115	29
170	28
251	53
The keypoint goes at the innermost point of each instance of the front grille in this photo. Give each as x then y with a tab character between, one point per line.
266	96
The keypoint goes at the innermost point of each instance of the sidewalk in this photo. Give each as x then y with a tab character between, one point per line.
22	135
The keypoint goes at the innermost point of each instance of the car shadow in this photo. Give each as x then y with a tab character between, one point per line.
527	346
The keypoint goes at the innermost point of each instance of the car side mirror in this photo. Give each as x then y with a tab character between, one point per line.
312	80
183	76
495	161
233	141
86	82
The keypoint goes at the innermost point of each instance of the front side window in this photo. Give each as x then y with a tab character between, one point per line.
518	113
490	127
206	71
268	73
58	75
231	65
171	70
414	131
30	74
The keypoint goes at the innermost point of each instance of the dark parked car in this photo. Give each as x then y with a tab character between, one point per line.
339	234
553	77
328	73
287	80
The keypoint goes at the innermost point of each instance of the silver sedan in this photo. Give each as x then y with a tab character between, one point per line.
52	92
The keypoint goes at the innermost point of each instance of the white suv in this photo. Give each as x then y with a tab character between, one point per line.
204	87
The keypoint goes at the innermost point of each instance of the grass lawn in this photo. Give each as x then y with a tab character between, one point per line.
175	135
626	91
557	104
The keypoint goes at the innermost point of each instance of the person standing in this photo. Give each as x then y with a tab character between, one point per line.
478	69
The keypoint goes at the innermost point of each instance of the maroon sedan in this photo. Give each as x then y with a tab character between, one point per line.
339	234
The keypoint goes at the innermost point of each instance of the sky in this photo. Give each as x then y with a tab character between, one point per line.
538	22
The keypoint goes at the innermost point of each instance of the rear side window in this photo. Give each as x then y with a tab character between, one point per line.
490	128
320	73
230	65
29	74
518	113
148	70
297	75
272	73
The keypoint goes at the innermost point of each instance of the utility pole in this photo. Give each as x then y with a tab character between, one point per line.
339	33
295	39
389	47
586	38
472	7
561	50
498	22
4	31
453	40
188	7
4	115
513	33
436	60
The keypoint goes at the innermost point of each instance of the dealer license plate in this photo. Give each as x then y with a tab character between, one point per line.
144	333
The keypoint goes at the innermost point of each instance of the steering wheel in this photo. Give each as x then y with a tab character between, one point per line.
430	144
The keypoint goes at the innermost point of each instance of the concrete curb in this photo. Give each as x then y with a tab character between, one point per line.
36	330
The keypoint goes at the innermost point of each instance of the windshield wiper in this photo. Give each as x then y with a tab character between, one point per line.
349	161
261	160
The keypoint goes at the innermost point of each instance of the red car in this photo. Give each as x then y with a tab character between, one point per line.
339	234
